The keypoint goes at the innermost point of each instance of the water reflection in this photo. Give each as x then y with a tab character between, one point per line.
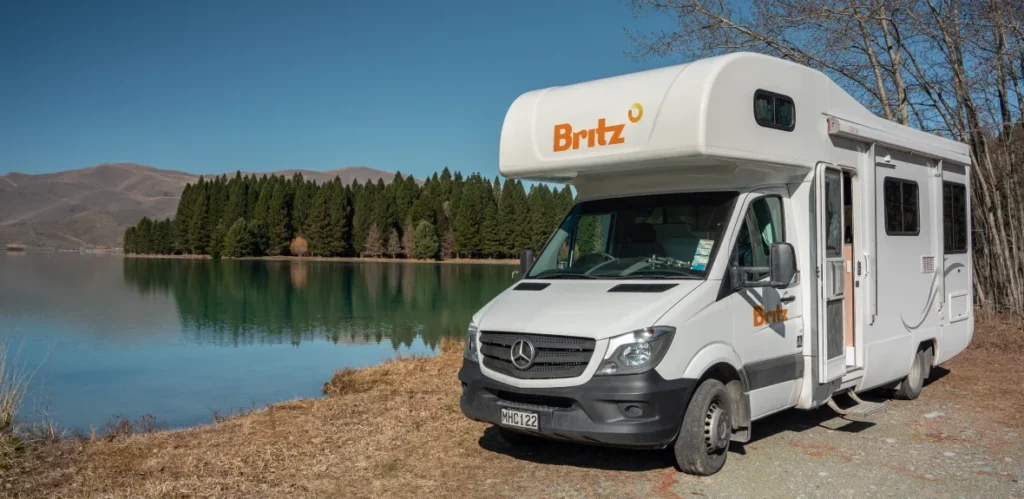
181	338
263	302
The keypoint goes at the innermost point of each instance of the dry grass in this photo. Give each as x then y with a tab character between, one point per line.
14	381
396	430
989	375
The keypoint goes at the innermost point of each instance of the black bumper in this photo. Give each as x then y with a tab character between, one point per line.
636	411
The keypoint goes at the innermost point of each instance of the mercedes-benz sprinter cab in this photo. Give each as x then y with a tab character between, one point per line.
748	239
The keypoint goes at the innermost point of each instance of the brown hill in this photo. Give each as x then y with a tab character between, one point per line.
93	206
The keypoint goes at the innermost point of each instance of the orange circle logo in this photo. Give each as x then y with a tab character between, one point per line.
639	112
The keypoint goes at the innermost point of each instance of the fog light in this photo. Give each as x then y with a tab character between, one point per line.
633	411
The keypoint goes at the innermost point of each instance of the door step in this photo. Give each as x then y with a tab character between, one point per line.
859	407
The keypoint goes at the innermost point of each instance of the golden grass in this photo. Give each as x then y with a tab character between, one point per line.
14	380
395	430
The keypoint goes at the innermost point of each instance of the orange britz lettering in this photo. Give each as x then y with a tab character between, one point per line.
762	317
565	137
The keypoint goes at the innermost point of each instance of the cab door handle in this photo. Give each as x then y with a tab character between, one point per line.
787	299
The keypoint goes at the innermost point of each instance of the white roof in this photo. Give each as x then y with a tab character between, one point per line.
690	114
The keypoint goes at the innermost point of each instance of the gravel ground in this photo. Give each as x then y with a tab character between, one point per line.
930	447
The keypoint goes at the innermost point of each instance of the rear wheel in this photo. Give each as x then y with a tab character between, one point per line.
703	442
910	387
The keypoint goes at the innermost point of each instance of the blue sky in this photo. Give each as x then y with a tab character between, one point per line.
260	85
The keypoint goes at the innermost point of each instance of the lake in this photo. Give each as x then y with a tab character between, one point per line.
180	339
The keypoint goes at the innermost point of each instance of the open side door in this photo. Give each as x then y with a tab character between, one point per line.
830	272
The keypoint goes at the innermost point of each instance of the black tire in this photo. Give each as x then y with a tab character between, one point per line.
703	442
515	438
920	369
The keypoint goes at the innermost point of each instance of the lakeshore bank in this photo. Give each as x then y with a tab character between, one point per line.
395	430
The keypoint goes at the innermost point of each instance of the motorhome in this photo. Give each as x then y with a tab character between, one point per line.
748	239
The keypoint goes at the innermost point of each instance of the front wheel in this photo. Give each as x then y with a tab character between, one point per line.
703	442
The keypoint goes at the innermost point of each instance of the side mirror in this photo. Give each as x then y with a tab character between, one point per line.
526	260
782	264
781	269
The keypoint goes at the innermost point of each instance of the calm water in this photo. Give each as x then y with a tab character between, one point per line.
181	338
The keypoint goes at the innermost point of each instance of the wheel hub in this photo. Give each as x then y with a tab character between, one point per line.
716	427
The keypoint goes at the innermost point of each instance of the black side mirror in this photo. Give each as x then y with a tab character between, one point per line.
782	262
781	269
526	260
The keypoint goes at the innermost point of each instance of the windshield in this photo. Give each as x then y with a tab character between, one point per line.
665	236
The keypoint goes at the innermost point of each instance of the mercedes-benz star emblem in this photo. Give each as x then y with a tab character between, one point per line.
522	354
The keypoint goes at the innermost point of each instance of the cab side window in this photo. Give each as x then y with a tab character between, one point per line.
761	227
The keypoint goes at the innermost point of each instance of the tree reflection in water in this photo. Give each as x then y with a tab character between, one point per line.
232	302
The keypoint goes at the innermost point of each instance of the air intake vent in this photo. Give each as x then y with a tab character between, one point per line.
641	288
532	286
927	264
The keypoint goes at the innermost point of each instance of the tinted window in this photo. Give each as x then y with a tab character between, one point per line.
954	217
833	214
761	227
901	207
774	110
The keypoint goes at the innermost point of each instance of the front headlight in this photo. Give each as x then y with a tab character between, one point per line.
470	352
636	351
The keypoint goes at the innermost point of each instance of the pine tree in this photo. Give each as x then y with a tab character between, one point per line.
183	219
363	217
237	200
470	216
426	246
199	229
340	217
238	240
490	232
384	207
129	241
318	225
302	201
279	229
217	239
394	246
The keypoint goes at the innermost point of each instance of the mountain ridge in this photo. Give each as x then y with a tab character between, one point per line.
92	206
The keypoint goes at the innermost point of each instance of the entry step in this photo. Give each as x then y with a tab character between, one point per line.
858	407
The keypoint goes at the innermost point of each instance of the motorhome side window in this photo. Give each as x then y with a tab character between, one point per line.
760	228
671	236
774	110
954	217
902	211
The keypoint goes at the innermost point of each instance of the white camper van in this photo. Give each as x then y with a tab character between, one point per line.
748	239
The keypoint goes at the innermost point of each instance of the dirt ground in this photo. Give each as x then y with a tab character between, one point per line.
396	431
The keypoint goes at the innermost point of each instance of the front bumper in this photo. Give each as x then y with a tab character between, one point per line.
635	411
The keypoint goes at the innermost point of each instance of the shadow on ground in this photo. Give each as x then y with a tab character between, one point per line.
604	458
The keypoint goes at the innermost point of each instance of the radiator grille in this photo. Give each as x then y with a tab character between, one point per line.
555	356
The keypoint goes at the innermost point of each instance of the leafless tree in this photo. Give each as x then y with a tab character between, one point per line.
951	67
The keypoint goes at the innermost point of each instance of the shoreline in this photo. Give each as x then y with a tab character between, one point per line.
343	259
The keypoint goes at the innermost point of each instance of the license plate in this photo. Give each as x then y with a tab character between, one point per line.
520	419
